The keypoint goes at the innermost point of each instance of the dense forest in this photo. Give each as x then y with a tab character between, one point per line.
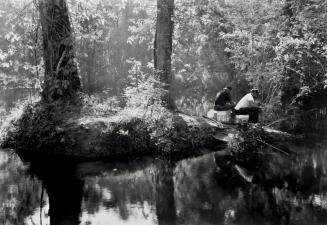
139	59
277	46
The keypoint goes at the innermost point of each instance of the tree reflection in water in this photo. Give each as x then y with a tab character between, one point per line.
143	195
64	189
135	193
20	193
164	194
192	191
206	195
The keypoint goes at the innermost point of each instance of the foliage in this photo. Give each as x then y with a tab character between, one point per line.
20	59
250	43
9	122
277	46
201	67
144	101
252	147
108	35
144	93
99	105
303	47
268	44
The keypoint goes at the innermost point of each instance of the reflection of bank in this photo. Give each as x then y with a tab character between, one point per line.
131	194
99	193
192	191
207	193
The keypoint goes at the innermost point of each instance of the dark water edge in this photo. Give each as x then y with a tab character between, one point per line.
156	191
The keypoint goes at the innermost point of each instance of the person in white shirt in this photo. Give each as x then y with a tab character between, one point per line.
249	105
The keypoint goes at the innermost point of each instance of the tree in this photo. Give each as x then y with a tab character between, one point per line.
163	46
61	78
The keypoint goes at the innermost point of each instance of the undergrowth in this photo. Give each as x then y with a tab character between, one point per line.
98	126
253	147
65	125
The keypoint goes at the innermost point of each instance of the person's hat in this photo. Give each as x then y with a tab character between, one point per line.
228	87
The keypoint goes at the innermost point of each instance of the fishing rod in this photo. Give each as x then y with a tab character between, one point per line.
290	116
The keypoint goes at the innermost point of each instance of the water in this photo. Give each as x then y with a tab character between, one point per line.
152	191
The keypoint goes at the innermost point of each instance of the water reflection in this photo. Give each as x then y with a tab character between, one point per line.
120	194
192	191
164	194
64	190
142	196
20	193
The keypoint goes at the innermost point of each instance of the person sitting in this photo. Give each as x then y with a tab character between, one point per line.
249	105
223	101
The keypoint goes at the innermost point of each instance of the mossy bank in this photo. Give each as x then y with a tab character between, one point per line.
64	129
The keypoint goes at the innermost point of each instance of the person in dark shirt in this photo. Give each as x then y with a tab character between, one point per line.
223	100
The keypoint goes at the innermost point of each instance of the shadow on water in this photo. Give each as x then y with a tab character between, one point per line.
154	191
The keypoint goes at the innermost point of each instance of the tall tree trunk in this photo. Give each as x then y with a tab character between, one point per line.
163	47
91	68
61	77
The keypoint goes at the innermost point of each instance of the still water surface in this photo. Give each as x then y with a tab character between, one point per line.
191	191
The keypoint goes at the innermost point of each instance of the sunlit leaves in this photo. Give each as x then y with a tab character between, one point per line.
108	34
19	54
302	47
251	42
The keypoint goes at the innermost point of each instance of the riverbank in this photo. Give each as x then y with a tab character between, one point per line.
90	128
71	130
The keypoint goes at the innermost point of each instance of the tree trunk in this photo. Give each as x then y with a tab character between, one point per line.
61	78
163	47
